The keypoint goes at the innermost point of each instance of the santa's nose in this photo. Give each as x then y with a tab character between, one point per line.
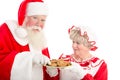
39	24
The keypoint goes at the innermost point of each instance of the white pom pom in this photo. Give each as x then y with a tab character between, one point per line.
21	32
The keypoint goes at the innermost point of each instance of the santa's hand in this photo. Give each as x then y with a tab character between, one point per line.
41	59
52	71
77	71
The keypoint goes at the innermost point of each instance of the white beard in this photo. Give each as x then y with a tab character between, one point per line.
36	37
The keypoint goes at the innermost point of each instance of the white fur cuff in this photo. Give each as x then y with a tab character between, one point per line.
52	72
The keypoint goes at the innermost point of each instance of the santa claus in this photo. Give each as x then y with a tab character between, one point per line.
23	49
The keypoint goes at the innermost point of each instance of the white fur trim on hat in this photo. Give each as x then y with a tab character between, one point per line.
36	8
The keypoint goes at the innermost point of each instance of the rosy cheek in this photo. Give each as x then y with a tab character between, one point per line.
42	26
30	23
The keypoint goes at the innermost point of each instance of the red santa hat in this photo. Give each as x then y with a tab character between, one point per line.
31	7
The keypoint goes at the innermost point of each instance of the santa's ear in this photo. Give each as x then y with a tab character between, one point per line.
21	32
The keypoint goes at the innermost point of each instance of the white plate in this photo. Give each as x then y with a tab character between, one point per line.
58	67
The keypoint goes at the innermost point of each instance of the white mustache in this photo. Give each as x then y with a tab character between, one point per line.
34	27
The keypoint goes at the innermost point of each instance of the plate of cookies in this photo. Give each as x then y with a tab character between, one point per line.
59	63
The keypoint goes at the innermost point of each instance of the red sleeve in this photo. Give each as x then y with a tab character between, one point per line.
8	49
5	66
6	56
102	74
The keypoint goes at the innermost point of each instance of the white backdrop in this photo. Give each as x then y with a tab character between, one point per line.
101	16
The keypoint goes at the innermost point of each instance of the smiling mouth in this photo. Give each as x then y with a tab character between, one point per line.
36	30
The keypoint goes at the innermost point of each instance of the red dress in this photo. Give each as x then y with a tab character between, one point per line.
9	48
97	68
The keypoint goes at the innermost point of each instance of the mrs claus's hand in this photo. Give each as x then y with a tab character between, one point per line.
77	71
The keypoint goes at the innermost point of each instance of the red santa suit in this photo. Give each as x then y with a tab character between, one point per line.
93	68
16	55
